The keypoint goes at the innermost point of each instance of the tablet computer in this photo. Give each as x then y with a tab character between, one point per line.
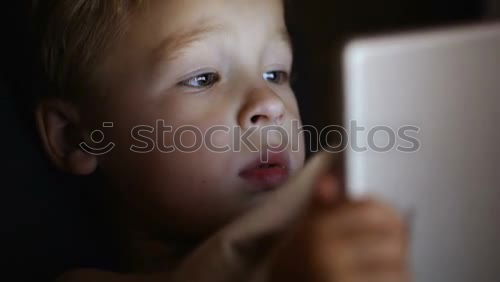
422	111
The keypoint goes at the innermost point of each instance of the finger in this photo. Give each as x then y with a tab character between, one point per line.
374	254
225	253
327	191
358	217
282	206
348	255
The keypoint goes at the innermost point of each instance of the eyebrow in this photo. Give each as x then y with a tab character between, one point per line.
169	46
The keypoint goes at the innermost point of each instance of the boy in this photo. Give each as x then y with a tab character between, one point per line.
207	214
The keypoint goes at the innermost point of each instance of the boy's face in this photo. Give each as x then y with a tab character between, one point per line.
203	64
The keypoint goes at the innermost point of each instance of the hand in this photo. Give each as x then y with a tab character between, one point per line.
239	251
229	255
352	241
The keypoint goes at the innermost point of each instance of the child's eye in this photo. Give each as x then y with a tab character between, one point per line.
277	77
204	80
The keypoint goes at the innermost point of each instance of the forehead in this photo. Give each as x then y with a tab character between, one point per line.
161	18
162	26
186	11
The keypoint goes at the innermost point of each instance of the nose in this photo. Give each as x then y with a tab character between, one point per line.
262	107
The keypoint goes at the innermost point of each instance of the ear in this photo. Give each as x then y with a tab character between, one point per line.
58	124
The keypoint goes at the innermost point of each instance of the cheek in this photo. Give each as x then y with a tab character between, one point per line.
195	170
188	179
195	184
210	136
185	190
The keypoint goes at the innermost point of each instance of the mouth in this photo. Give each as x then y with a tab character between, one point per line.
269	174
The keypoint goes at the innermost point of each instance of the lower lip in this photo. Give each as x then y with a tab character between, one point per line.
265	178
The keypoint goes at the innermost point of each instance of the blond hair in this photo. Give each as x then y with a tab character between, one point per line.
73	35
71	38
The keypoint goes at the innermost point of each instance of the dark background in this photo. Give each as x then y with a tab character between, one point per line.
321	28
43	223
